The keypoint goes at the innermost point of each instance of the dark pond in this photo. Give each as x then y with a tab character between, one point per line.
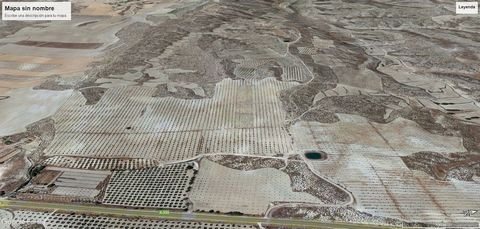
316	155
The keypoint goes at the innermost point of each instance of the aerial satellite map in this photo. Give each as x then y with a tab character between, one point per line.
240	114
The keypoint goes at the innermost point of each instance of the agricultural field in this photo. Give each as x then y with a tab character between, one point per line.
164	187
254	190
238	114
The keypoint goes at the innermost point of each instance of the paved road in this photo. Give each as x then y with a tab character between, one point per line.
175	215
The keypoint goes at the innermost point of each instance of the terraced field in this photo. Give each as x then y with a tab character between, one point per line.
372	170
